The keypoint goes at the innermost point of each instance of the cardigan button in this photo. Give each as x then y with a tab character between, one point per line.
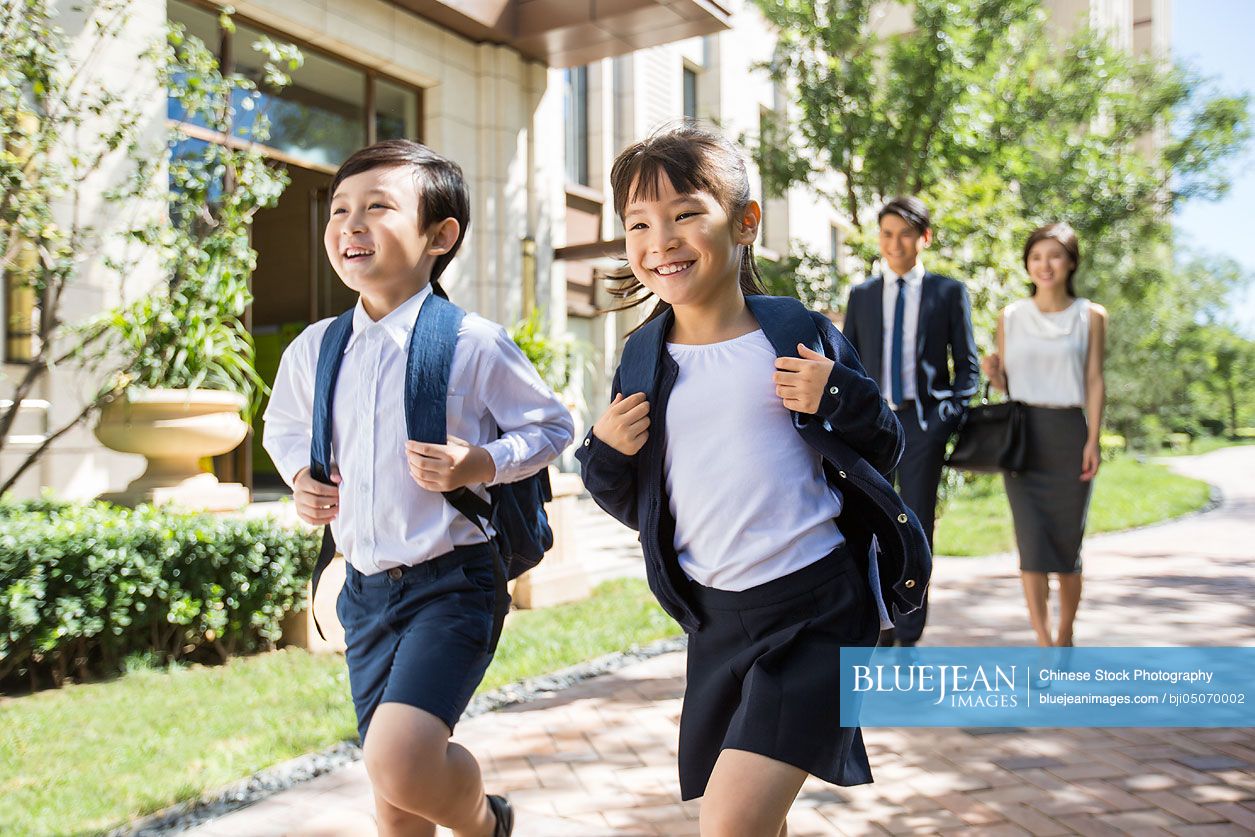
833	390
841	474
910	582
902	518
587	442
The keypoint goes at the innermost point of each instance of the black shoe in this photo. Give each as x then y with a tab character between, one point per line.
902	643
504	813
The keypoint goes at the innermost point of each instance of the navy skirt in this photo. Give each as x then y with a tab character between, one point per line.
764	673
422	635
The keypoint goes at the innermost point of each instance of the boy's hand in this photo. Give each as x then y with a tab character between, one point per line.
625	424
800	381
316	502
446	467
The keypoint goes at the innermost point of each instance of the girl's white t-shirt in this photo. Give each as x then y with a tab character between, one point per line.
748	495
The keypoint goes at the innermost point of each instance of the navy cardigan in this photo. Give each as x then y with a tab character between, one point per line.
854	430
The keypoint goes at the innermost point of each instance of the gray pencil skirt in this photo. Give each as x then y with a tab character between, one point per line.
1049	501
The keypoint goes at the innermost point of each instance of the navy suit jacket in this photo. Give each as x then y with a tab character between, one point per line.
944	338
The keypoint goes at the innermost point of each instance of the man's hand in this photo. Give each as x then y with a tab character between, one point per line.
625	424
316	502
800	381
446	467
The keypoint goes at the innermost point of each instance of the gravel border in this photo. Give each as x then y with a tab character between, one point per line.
266	783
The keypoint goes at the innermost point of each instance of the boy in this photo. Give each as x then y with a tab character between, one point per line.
910	328
418	600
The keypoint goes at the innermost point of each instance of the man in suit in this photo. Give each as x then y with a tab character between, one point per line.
913	331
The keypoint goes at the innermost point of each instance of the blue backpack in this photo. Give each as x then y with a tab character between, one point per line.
517	510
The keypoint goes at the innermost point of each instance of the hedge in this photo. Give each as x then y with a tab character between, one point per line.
85	586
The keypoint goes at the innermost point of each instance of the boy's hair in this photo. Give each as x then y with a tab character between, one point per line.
441	187
1066	236
694	159
910	209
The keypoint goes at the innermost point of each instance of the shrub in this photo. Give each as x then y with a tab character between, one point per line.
1112	445
84	586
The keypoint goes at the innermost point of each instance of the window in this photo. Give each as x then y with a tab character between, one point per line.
396	111
836	254
21	311
690	93
576	106
322	116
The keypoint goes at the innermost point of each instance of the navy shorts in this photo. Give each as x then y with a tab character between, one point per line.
422	635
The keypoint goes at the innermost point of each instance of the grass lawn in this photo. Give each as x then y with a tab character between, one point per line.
977	519
87	758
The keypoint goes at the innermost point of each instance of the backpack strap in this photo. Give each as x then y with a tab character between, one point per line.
330	354
786	322
638	366
431	347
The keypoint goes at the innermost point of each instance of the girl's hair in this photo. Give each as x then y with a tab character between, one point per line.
694	159
1066	236
441	188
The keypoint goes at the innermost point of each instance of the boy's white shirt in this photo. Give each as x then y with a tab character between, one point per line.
385	519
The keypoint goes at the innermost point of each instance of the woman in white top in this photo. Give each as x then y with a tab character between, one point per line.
1050	358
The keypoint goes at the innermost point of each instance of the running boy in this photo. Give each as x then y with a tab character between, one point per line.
418	600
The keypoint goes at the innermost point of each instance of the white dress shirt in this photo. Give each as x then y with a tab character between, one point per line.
910	328
385	519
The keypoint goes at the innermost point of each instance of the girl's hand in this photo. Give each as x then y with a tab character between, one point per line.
446	467
625	424
800	381
1090	460
991	365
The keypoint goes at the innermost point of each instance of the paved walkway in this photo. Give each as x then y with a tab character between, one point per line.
599	759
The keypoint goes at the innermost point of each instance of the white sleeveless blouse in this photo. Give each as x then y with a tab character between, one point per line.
1045	353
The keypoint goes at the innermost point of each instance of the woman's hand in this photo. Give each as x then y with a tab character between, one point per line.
625	424
1090	460
991	365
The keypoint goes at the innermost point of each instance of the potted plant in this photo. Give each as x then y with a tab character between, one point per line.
186	382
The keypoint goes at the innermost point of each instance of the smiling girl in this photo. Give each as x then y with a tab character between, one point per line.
739	476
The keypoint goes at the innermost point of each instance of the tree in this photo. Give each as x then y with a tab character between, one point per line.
1001	126
185	331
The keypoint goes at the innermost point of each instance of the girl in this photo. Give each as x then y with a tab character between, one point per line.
756	483
1050	357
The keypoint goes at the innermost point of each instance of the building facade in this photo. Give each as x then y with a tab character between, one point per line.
533	98
474	79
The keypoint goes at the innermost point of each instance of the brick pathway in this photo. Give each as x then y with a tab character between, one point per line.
599	759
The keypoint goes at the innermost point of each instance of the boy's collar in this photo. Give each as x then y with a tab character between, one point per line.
397	324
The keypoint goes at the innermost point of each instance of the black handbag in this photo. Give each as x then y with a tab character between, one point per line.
992	438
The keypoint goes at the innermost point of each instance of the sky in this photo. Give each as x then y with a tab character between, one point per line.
1214	37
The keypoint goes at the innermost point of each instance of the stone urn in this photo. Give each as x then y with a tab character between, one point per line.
175	429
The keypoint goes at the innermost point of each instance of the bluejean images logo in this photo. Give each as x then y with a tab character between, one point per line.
1048	687
979	686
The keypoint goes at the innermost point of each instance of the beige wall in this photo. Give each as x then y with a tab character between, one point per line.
78	466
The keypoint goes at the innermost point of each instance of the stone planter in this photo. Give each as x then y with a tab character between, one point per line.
175	429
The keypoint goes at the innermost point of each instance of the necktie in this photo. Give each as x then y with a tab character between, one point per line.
895	359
